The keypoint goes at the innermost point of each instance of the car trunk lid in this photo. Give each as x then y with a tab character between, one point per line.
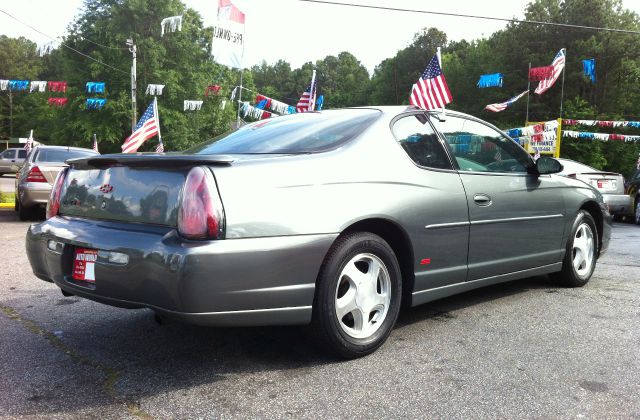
605	182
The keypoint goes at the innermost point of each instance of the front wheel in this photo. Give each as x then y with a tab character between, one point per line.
581	252
358	295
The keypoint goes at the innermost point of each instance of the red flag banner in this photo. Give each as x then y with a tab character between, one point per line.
537	74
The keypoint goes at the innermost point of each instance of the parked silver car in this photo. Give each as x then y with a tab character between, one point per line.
610	185
334	218
10	159
36	177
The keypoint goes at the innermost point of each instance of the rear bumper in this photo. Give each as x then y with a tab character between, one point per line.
232	282
618	203
34	193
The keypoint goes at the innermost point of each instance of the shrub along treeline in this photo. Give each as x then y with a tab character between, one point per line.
181	62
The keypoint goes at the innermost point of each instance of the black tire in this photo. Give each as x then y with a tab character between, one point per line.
357	248
24	213
570	276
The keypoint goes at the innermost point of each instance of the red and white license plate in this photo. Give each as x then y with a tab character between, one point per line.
603	184
84	264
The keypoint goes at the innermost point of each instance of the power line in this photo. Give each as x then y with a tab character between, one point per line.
431	12
65	45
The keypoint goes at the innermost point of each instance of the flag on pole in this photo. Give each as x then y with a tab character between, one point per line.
503	105
95	144
308	99
160	146
558	66
431	90
147	127
227	46
29	144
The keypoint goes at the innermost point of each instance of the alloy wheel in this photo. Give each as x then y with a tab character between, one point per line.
583	249
363	296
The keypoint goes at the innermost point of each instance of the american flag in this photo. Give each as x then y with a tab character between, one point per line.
308	99
95	144
558	66
503	105
537	155
148	126
29	144
160	147
431	90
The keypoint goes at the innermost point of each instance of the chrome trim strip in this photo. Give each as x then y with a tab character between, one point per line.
447	225
515	219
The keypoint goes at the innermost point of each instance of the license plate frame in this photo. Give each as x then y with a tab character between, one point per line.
84	261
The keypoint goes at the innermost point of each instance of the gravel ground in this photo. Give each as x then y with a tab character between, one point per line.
521	349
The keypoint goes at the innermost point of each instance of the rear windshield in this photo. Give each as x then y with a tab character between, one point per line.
60	155
300	133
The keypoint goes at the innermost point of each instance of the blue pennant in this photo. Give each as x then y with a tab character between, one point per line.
490	80
589	69
96	103
320	102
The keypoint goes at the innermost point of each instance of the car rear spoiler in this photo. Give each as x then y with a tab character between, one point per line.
149	160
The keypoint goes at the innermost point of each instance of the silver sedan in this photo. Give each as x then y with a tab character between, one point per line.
334	218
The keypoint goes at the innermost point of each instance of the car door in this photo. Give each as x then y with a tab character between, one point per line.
7	159
516	217
437	220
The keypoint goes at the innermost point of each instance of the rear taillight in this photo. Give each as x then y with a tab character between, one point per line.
53	206
201	215
35	175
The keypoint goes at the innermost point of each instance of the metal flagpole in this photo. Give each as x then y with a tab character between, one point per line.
155	111
528	94
440	64
562	92
239	101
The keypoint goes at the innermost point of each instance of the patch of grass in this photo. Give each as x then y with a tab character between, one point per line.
7	197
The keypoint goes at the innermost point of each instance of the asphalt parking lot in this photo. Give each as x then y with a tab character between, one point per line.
522	349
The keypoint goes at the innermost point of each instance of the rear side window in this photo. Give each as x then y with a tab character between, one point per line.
60	155
421	143
309	132
22	154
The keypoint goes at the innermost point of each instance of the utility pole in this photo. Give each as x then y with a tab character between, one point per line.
134	109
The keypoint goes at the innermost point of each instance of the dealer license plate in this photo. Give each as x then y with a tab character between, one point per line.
84	264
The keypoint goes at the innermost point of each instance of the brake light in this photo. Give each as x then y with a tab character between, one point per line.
53	206
35	175
201	215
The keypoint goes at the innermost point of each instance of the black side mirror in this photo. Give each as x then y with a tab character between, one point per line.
547	165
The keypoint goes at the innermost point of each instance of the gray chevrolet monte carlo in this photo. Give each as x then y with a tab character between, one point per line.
334	218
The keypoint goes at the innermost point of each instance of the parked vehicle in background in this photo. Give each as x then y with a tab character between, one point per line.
334	218
610	185
633	190
11	158
36	177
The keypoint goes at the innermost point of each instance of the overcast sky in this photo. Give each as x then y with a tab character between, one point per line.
299	31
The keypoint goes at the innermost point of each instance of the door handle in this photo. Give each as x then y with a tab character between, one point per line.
482	200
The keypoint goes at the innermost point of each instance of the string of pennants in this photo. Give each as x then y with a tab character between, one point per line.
545	131
600	123
598	136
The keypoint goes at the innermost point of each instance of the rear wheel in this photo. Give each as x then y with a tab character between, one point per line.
358	295
24	213
580	256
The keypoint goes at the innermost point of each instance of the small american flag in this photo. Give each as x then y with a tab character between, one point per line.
537	155
95	144
308	99
160	147
431	90
503	105
148	126
498	156
29	144
558	66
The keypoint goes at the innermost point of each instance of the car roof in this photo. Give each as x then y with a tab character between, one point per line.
63	148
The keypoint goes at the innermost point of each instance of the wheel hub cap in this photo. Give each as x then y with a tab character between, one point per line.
583	249
363	295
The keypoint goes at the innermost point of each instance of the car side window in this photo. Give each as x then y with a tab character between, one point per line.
420	142
22	154
480	148
8	154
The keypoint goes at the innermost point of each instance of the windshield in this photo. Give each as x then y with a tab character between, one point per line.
60	155
299	133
